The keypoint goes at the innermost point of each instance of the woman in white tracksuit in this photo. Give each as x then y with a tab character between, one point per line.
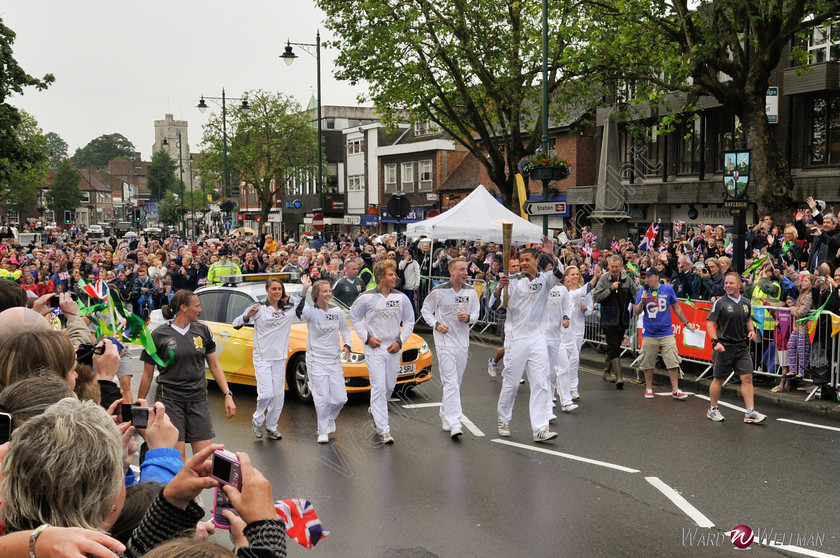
329	335
581	306
556	325
272	321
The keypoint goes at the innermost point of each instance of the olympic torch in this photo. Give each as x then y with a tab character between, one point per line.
507	232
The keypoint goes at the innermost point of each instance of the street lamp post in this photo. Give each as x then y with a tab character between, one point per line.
288	57
545	103
202	106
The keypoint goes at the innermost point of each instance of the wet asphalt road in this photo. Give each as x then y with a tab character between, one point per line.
600	489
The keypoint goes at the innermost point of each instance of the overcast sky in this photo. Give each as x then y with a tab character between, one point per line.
119	66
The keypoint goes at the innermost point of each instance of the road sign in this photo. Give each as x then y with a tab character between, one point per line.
432	213
735	204
544	208
318	221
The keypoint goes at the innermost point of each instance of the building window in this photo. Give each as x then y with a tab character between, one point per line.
729	134
49	215
391	178
689	137
425	128
356	183
824	44
641	149
330	124
825	131
13	217
407	172
425	172
354	146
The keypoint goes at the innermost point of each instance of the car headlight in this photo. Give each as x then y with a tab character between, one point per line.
355	358
424	348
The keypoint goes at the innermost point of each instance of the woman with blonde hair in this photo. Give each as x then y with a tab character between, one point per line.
328	337
29	353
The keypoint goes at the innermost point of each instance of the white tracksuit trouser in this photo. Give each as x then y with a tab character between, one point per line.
528	354
451	363
558	369
574	363
328	392
383	368
271	391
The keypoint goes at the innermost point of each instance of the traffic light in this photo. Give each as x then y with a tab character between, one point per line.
137	214
67	216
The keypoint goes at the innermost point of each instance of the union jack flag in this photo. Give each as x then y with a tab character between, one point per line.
96	290
302	523
590	238
678	226
650	236
614	245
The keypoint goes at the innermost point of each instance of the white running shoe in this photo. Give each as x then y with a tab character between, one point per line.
492	368
386	438
552	417
754	417
714	415
455	432
331	427
323	438
257	431
569	408
545	435
504	428
575	396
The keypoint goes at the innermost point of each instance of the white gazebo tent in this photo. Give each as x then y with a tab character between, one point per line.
479	217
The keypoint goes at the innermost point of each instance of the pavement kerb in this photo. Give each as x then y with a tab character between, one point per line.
764	398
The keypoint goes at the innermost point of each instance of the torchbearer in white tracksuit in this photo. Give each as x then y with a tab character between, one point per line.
376	316
581	306
329	335
450	309
556	323
525	343
272	321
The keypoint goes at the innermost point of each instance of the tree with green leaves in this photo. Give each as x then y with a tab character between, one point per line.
167	209
25	178
64	193
22	151
105	148
725	49
268	144
160	175
56	149
474	68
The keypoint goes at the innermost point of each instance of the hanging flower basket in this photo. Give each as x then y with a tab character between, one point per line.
540	166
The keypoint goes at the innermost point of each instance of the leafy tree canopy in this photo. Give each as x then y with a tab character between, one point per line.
474	68
725	49
105	148
160	175
167	209
22	151
56	149
65	193
270	143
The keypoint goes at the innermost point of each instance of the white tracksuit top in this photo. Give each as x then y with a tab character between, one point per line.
577	315
557	307
442	306
374	315
526	304
271	329
328	331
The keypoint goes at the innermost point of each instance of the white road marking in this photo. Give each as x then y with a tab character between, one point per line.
721	403
470	425
420	405
812	425
692	512
790	548
567	456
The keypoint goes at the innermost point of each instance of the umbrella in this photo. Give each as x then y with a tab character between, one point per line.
130	234
243	230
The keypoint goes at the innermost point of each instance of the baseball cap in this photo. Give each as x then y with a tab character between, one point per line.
651	271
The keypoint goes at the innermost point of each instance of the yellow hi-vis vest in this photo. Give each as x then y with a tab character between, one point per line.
761	298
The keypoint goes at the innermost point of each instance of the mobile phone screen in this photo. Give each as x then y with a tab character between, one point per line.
5	427
221	468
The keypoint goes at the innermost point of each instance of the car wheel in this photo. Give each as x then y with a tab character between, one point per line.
299	379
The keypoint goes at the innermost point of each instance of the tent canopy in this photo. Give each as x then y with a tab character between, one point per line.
477	217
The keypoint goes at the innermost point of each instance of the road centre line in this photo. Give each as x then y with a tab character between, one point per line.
811	424
692	512
470	425
790	548
722	403
567	456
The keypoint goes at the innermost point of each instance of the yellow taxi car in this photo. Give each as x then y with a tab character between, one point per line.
221	304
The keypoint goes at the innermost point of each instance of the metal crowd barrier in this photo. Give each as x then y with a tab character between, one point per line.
769	353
